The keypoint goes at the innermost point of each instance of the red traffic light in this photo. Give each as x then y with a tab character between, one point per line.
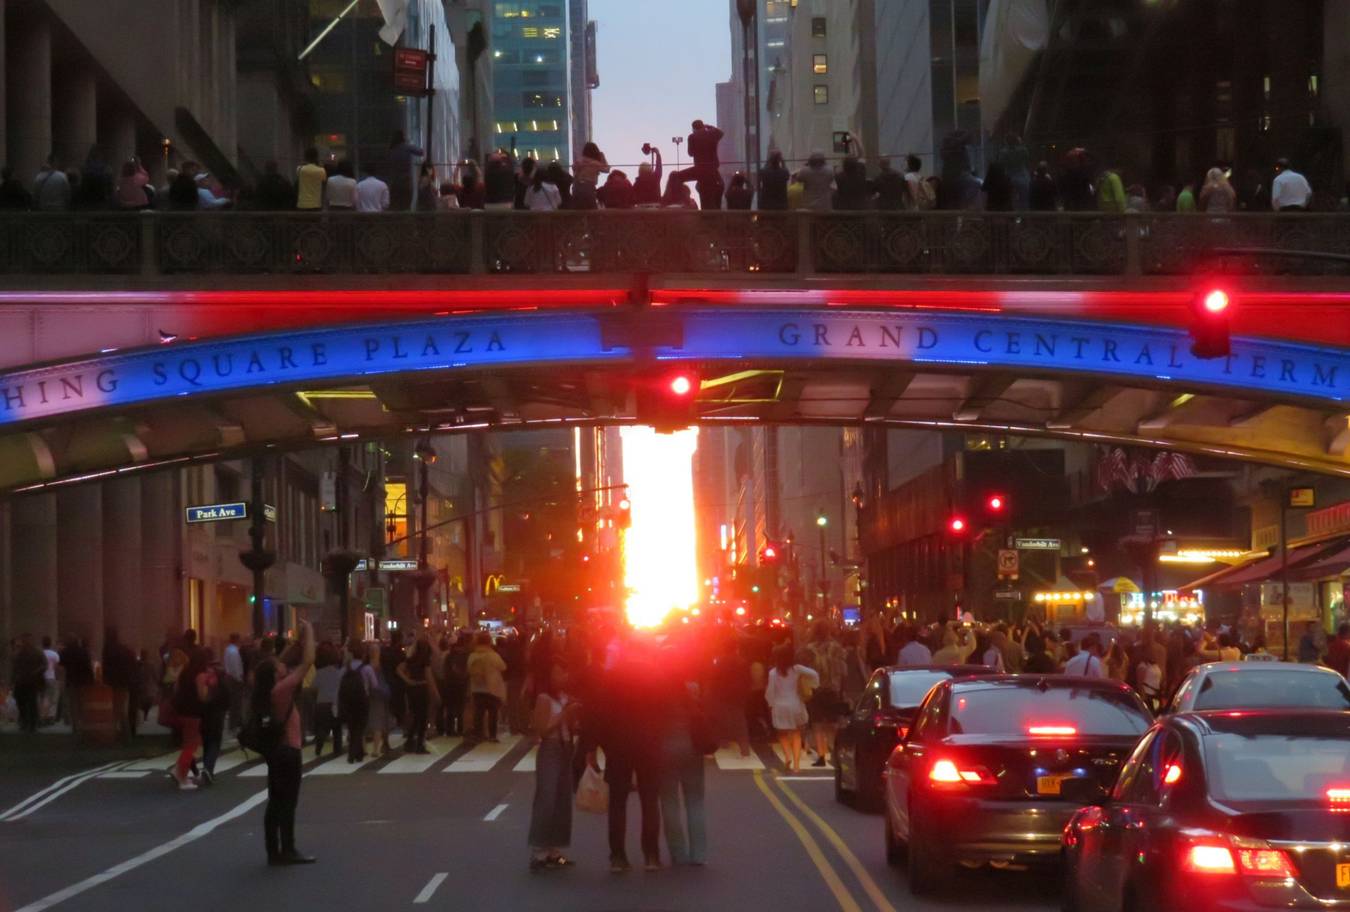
769	553
956	525
624	504
995	503
1215	302
681	385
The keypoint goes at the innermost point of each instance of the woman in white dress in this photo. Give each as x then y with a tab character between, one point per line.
786	706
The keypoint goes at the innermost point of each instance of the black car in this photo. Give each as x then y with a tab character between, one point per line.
993	768
1221	811
879	721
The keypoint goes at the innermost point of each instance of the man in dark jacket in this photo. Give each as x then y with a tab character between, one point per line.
703	150
29	667
119	673
617	193
79	666
891	189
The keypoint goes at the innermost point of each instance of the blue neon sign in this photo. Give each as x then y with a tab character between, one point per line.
906	339
217	512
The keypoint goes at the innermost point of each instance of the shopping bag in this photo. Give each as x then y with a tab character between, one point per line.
593	793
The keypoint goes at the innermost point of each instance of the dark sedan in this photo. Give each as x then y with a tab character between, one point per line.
993	769
1221	812
879	721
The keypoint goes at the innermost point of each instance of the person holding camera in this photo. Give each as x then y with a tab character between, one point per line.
647	187
703	142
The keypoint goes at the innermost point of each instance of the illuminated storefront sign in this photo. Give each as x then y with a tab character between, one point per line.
315	357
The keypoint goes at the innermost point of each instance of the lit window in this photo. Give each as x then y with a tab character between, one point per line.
819	28
529	31
820	64
774	44
822	94
1313	86
553	32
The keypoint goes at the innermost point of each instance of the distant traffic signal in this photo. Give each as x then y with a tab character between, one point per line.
624	514
769	553
996	504
1210	318
668	402
957	525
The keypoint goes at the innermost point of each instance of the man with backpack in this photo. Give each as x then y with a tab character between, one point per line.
456	688
353	699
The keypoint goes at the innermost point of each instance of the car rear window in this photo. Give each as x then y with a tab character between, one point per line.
1276	767
1264	687
1015	711
908	688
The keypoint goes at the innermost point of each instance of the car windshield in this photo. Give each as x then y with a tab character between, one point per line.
1266	687
1016	711
908	688
1276	767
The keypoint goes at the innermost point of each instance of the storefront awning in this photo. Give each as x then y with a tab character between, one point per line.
1262	568
1332	561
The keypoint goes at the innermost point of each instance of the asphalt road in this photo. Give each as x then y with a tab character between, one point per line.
386	834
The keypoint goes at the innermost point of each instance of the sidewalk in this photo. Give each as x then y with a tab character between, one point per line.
55	746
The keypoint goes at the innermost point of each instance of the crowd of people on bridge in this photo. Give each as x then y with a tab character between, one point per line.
403	180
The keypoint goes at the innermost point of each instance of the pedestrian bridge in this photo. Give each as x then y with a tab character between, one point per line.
186	358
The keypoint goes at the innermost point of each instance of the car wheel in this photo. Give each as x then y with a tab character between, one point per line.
895	849
930	870
842	795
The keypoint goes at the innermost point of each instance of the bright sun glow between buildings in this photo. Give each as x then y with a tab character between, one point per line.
660	568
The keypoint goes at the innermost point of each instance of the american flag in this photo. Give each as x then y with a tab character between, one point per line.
1140	472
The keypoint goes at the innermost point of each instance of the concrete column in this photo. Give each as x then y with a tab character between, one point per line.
4	135
123	606
75	118
7	631
33	552
116	134
79	543
160	566
28	93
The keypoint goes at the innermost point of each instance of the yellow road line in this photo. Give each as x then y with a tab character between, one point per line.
817	855
869	885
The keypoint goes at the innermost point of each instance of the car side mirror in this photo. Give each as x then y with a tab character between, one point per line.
1083	791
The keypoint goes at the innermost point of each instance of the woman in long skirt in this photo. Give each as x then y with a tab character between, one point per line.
554	719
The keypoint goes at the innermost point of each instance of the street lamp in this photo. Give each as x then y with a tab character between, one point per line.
425	454
821	522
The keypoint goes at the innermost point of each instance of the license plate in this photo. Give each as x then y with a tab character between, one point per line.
1343	876
1050	785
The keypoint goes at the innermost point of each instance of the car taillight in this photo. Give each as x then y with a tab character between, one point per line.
1339	795
1265	863
1052	731
949	774
902	731
1252	858
1209	859
1172	775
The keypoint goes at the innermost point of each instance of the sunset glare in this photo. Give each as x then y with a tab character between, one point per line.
660	568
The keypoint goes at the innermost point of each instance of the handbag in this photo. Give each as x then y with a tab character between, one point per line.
592	793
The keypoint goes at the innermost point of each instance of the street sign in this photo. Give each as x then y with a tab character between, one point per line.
1038	544
1302	497
1007	595
217	512
509	587
269	513
1007	562
388	566
1146	524
410	71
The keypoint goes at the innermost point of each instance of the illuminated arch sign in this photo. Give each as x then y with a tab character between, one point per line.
1257	367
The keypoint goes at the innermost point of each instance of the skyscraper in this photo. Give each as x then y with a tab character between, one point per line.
533	99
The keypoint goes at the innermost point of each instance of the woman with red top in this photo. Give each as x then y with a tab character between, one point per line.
189	707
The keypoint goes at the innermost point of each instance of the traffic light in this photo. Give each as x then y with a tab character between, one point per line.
668	401
957	525
1210	315
624	514
769	553
996	504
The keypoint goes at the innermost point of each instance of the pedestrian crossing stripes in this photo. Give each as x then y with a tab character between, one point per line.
446	754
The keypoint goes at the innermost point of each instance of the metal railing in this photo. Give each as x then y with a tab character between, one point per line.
661	241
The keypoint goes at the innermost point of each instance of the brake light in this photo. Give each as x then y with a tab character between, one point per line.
1339	796
902	731
946	773
1052	731
1172	775
1252	858
1265	863
1209	859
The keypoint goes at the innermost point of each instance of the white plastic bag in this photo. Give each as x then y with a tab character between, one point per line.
593	793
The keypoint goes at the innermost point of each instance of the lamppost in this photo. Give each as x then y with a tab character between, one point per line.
821	522
425	454
859	499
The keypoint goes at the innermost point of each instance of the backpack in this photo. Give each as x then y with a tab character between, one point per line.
263	732
352	696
